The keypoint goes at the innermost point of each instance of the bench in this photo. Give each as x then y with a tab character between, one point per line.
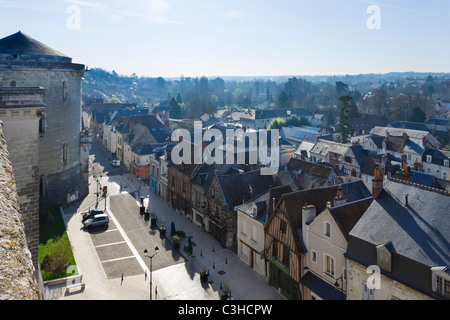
76	283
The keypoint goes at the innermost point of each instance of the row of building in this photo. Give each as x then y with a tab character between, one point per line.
336	221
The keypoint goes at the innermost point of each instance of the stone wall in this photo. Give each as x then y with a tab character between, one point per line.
60	140
17	273
388	288
20	110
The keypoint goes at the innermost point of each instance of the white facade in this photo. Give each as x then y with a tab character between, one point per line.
251	241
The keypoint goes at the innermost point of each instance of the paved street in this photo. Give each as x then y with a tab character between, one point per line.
112	260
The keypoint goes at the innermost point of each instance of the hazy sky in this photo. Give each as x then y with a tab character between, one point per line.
170	38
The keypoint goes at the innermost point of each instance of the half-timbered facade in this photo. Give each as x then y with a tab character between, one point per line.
283	246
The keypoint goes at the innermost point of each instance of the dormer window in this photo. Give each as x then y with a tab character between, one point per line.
441	281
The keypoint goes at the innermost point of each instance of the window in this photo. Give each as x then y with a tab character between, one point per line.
13	83
328	229
275	248
368	291
286	255
42	124
64	152
64	91
443	286
428	158
409	156
313	256
283	226
329	265
446	163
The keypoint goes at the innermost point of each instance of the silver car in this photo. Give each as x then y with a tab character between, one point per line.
98	220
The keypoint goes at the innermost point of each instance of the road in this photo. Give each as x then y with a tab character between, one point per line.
112	258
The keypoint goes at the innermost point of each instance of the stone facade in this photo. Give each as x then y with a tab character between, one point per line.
25	62
17	273
21	110
386	288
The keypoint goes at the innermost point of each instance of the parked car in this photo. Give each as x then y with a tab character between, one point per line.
92	214
96	221
115	163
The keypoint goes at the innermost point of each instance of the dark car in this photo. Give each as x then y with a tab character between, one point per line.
91	214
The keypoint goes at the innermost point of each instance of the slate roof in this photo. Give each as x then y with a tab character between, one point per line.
419	232
295	201
347	215
437	156
145	148
409	125
238	188
22	44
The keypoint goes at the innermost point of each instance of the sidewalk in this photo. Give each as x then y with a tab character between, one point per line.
177	282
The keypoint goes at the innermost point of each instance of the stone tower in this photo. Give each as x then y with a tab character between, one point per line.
26	62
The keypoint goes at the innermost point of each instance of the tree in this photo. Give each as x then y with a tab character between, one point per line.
173	230
330	118
175	109
283	100
276	123
343	126
114	100
417	115
341	88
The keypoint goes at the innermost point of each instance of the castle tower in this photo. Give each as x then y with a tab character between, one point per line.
26	62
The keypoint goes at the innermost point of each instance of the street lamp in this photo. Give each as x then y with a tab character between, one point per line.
151	266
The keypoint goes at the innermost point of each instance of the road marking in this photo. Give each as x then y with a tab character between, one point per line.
127	240
110	244
117	259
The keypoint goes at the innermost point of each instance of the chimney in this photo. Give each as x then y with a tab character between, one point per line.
299	179
405	137
308	215
377	184
406	199
339	199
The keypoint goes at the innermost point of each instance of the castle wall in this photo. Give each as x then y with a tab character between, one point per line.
17	273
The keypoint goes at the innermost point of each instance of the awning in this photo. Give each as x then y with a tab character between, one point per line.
320	287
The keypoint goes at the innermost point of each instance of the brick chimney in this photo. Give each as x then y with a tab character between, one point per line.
405	138
377	184
339	199
299	179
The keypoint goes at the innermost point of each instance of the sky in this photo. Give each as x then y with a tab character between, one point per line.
170	38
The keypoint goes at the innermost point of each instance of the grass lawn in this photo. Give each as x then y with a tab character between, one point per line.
55	251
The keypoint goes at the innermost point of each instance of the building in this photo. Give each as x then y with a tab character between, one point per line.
302	175
227	191
284	248
260	119
325	236
26	62
252	217
21	111
405	233
436	163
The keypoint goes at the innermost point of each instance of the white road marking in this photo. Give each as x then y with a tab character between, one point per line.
117	259
110	244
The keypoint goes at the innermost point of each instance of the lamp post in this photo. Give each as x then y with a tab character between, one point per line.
151	265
